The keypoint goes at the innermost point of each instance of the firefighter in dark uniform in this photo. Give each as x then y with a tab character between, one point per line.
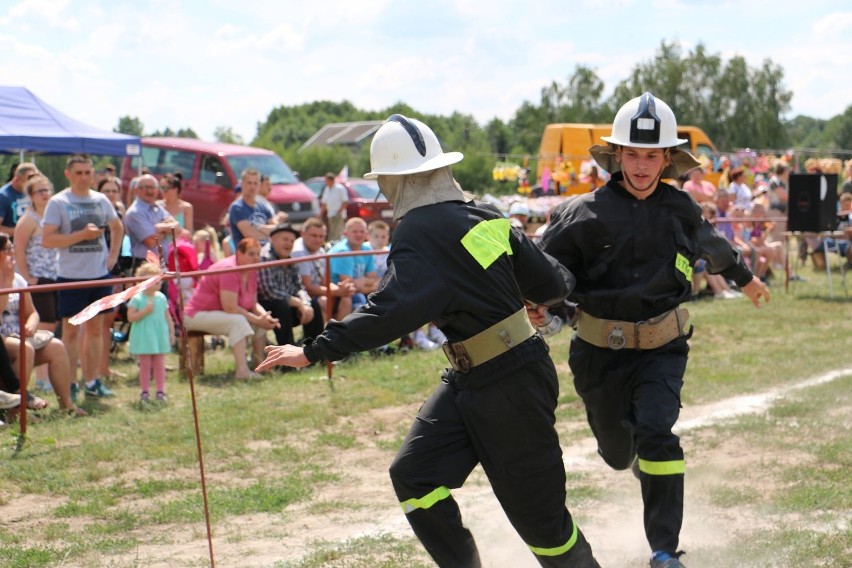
631	246
460	265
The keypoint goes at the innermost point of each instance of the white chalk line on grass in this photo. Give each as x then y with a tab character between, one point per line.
713	413
581	456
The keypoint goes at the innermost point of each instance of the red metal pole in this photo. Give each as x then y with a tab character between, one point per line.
329	308
191	376
22	359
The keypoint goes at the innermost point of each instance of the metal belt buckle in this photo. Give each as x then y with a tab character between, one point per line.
458	357
615	340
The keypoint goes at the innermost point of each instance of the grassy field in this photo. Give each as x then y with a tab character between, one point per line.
291	459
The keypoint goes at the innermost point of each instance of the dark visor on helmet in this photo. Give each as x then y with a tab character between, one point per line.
645	124
413	131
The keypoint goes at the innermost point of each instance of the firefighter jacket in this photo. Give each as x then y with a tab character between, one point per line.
459	265
633	258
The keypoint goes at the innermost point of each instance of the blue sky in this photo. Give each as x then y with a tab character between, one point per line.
203	64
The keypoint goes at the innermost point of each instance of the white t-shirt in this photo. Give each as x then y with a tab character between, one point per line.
741	194
335	198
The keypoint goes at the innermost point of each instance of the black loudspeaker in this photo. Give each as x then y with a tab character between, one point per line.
812	205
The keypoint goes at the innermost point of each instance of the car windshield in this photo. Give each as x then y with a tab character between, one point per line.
367	190
266	164
316	185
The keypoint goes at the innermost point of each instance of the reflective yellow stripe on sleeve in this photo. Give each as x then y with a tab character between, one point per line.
559	549
426	501
682	264
488	240
673	467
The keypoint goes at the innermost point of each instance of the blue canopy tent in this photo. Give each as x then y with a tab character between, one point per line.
28	124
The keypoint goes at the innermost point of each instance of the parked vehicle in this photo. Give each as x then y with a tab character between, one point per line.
362	199
569	144
211	172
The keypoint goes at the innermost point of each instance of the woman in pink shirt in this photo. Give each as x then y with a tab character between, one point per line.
697	187
226	304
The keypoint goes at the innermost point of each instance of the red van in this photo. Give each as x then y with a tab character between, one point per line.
211	171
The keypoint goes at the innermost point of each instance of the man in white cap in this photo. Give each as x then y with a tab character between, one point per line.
631	245
519	215
496	405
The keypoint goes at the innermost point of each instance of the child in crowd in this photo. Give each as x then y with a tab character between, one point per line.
379	237
207	247
187	261
152	333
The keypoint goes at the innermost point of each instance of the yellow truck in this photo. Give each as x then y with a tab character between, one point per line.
565	147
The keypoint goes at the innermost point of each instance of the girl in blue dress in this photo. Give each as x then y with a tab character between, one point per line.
152	333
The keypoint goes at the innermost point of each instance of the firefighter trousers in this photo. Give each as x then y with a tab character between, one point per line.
632	401
508	427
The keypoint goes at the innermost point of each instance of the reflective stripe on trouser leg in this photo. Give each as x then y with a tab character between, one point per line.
556	551
575	553
632	400
661	465
662	494
436	457
436	520
425	502
672	467
511	425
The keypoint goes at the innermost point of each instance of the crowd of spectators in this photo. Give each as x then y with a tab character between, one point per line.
749	206
87	233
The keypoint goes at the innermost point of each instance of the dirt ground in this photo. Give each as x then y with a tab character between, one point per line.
611	519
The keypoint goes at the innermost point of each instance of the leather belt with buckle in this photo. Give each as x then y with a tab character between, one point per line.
487	344
648	334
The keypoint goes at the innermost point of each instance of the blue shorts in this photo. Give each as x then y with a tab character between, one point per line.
72	302
841	246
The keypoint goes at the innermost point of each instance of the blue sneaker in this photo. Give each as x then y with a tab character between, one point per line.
75	391
663	559
44	386
98	390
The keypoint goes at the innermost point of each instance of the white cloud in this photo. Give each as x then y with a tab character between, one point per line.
32	14
835	25
203	64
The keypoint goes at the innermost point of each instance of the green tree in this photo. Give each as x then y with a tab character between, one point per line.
772	101
736	105
227	135
578	100
186	133
842	138
500	136
806	132
289	126
318	160
129	125
528	124
179	133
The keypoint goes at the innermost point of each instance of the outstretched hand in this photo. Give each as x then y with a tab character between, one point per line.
756	289
287	355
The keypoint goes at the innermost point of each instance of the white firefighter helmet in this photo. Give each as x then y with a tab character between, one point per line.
644	122
405	146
